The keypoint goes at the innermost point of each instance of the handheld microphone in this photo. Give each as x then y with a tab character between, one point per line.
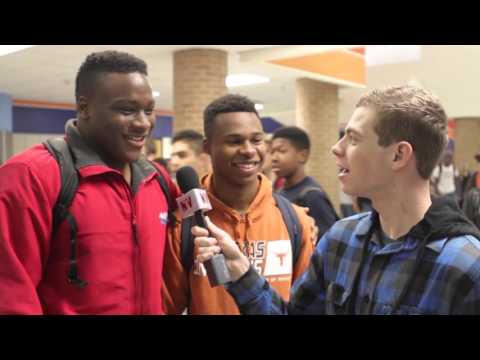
193	203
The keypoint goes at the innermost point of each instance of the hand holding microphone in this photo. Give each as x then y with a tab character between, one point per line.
219	241
193	203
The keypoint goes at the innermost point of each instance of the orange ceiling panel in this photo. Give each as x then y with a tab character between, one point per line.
346	65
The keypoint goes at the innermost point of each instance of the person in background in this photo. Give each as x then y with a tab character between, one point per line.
445	176
290	153
150	149
187	150
473	179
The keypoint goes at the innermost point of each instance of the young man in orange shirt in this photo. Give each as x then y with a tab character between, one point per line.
243	204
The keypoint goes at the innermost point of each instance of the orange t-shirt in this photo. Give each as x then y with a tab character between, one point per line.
260	233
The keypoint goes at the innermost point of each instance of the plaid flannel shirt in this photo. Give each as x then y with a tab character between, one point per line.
447	280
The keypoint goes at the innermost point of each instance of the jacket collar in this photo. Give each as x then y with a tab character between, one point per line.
88	162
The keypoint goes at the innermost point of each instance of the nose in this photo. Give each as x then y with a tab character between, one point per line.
144	120
337	149
174	164
248	149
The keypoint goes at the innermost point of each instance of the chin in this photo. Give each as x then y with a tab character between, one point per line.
243	181
349	191
279	174
133	156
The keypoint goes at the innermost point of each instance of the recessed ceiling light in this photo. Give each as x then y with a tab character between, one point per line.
8	49
259	107
156	93
245	79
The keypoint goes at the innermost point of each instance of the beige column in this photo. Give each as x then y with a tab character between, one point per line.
317	113
198	78
467	142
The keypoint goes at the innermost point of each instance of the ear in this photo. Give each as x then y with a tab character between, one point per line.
206	146
205	162
303	156
204	158
402	154
82	108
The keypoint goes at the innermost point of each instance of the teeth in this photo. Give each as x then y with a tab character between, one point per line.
135	138
246	166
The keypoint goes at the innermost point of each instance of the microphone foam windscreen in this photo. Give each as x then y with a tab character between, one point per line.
187	179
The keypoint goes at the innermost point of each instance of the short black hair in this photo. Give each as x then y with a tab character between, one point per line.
298	137
192	137
226	104
109	61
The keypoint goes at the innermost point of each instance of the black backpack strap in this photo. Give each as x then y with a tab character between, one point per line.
166	191
292	222
307	189
61	211
186	244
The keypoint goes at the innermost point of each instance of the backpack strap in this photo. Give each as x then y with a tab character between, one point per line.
166	191
307	189
292	222
60	150
301	196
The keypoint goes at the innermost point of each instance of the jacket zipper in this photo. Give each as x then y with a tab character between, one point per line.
138	278
137	308
137	274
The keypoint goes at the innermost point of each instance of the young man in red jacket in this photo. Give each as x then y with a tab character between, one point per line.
112	262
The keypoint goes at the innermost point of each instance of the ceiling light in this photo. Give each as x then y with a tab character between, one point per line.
259	107
156	93
245	79
8	49
392	54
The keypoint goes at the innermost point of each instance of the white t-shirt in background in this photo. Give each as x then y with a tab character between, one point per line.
446	183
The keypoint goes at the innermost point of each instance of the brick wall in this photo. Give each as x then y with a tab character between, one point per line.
198	79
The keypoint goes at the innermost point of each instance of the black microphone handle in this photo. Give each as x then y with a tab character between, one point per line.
200	220
216	267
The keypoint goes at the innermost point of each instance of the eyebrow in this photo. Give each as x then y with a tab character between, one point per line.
131	102
350	131
243	136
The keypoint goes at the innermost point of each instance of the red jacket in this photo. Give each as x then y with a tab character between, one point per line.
124	274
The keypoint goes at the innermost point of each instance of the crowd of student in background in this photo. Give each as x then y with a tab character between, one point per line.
463	186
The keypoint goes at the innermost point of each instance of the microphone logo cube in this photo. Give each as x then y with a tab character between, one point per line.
195	199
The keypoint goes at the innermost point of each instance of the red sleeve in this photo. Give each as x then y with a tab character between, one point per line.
25	227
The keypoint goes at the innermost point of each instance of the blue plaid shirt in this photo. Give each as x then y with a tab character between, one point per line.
446	280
